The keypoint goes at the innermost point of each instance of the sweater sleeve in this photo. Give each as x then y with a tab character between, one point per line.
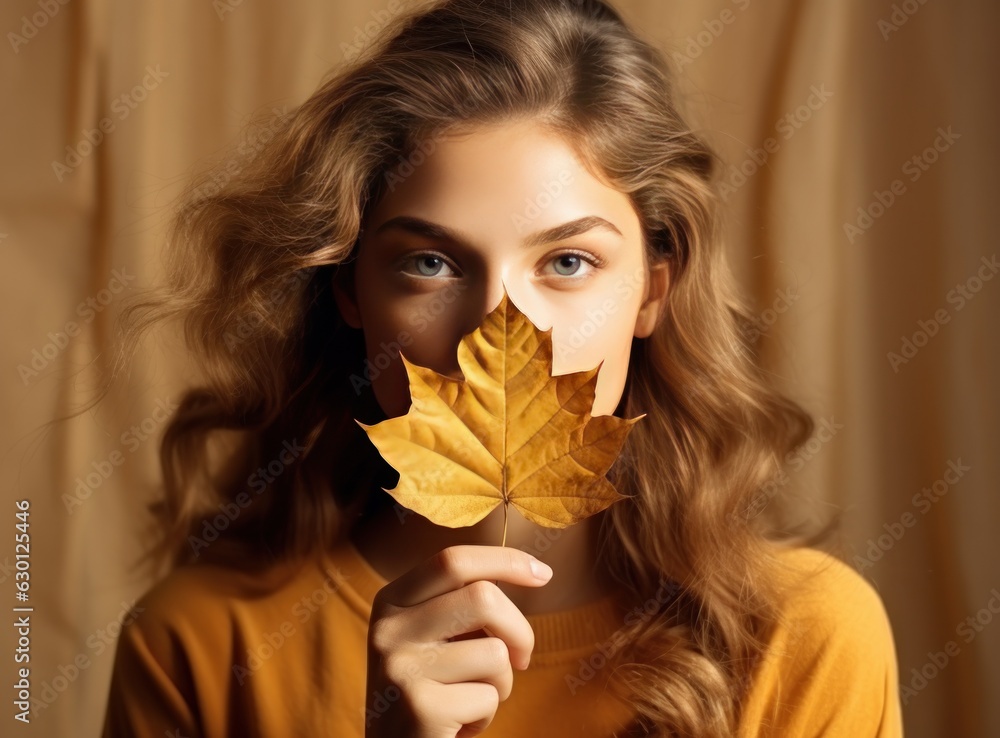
831	668
149	698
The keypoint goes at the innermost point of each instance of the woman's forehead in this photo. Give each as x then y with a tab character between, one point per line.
519	177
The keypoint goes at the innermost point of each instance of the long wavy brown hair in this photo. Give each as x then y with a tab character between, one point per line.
256	246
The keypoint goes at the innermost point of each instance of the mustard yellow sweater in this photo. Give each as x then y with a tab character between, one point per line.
213	652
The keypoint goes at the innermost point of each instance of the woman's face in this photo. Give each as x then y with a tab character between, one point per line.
504	207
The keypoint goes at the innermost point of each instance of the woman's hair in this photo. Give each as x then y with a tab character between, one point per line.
263	457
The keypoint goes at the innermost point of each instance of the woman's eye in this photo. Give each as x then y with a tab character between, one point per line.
426	265
430	266
569	265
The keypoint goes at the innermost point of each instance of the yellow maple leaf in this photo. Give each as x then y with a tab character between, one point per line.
509	433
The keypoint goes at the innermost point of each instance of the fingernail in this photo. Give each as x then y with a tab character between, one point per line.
540	569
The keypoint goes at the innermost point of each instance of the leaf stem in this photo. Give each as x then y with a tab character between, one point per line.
504	539
502	542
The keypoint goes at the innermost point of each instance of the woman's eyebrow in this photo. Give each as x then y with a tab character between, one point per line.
436	231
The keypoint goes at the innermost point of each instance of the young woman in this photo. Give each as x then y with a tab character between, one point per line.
484	147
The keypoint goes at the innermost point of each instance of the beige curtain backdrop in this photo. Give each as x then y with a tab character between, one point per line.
863	193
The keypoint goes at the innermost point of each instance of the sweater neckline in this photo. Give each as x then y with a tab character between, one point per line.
560	636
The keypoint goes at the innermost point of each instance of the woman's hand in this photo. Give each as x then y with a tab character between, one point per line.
424	680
